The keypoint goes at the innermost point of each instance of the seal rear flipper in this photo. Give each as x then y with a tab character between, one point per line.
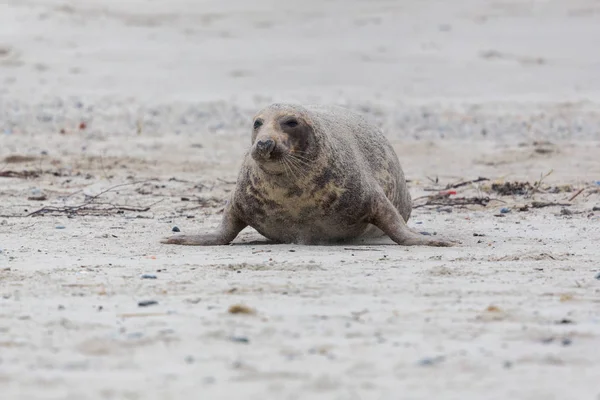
387	218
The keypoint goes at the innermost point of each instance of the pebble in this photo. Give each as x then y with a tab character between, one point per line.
148	276
505	210
60	227
135	335
189	359
176	229
566	342
146	303
239	339
431	361
596	208
425	233
564	321
598	276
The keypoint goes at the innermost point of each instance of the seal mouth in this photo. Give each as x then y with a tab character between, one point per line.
264	167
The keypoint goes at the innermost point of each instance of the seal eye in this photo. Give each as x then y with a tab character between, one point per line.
291	123
257	124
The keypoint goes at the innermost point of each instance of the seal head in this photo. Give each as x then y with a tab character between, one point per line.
282	140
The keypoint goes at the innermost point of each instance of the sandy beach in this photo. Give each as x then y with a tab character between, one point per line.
122	120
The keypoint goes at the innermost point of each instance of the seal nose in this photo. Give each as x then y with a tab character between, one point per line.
265	147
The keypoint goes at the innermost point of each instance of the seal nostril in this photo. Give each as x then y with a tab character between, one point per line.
265	146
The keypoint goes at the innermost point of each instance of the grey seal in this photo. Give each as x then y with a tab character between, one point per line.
316	174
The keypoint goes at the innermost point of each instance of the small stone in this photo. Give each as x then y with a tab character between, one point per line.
507	364
565	321
425	233
564	211
598	276
429	361
566	342
146	303
148	276
190	359
505	210
596	208
240	309
239	339
61	307
176	229
478	234
60	227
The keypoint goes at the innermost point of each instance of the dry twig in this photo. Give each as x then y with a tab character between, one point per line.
19	174
576	194
460	184
457	201
91	207
541	204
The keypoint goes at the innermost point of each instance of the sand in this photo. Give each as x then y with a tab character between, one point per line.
135	114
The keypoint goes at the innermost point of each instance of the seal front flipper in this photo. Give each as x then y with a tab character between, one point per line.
229	228
387	218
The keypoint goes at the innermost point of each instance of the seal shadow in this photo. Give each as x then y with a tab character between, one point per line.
369	241
384	241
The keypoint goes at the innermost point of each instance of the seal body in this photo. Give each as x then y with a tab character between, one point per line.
316	174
